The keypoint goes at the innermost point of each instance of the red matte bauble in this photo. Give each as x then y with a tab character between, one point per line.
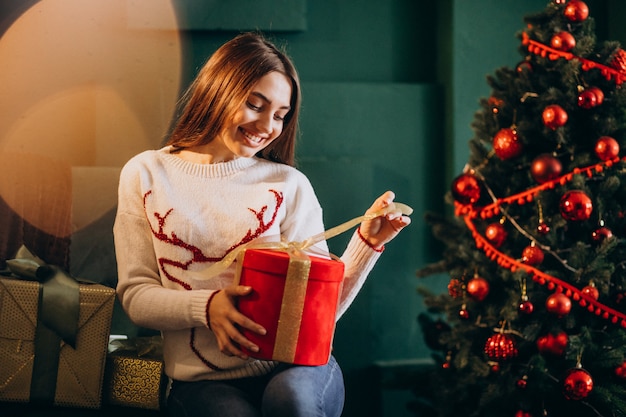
576	11
545	167
575	205
532	255
554	116
526	307
606	148
506	144
563	41
558	304
501	346
496	234
466	189
553	344
620	371
591	291
577	384
601	234
478	288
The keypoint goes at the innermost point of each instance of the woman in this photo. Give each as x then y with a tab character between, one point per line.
226	178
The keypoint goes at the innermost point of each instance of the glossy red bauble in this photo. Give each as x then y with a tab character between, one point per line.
588	99
554	116
575	205
501	346
563	41
543	228
478	288
577	384
496	234
506	144
606	148
558	304
545	167
576	11
553	344
532	255
466	189
526	307
601	234
591	291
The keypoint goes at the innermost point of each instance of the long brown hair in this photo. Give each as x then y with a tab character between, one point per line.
223	85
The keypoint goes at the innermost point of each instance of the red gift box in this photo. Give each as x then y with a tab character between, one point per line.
295	297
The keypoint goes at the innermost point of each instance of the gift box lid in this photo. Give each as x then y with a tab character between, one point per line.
276	262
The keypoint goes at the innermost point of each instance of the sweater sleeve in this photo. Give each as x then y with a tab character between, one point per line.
358	257
139	287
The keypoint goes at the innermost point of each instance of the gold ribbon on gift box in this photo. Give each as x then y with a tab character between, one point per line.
296	279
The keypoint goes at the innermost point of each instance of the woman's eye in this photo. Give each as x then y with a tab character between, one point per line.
279	117
253	107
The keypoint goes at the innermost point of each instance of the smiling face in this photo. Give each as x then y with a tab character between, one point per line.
257	123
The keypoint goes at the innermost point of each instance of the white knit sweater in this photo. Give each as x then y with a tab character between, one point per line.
176	217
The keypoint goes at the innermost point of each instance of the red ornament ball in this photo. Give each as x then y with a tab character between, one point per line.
588	99
500	346
464	314
620	371
522	413
577	384
575	205
526	307
545	167
598	93
553	344
601	234
532	255
506	144
606	148
478	288
559	304
591	291
524	67
576	11
554	116
466	189
618	61
563	41
496	234
543	228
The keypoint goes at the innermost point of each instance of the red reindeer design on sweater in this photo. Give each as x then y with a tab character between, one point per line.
197	256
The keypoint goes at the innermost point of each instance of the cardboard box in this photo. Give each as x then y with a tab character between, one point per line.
80	371
295	298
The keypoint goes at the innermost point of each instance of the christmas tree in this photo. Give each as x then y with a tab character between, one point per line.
534	320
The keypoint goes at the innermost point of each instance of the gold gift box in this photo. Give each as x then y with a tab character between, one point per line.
134	381
80	372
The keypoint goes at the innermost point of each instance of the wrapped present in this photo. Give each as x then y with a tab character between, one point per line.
295	298
53	336
295	294
135	375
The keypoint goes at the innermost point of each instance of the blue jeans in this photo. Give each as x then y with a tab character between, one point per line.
289	391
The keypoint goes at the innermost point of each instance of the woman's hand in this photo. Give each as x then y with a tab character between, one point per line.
224	320
383	229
